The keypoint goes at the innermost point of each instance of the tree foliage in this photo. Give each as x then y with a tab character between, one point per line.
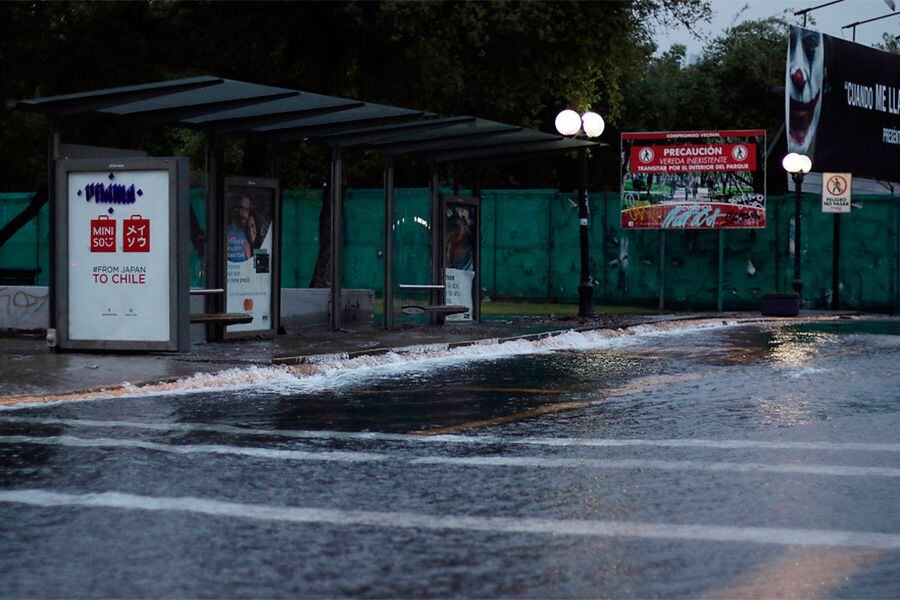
518	62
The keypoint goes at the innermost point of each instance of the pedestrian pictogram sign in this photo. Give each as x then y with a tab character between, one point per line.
103	234
836	192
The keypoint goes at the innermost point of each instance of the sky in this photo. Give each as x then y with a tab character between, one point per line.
829	20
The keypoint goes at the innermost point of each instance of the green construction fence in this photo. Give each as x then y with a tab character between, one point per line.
530	249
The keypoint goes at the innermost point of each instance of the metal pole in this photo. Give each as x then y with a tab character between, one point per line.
336	196
435	297
388	242
797	283
586	287
214	259
720	273
662	270
53	154
275	169
835	264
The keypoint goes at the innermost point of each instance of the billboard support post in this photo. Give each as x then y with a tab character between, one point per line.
720	272
835	263
662	269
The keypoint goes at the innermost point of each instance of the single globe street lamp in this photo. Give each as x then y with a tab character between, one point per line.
570	123
797	165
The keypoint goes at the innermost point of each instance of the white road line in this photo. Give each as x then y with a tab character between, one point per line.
663	465
466	461
66	440
349	518
467	439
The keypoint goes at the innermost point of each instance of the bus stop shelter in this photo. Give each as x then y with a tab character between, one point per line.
221	107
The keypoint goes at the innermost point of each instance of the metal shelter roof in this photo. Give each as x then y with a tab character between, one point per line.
223	106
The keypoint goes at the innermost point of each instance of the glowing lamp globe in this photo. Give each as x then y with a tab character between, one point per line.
796	163
593	124
568	122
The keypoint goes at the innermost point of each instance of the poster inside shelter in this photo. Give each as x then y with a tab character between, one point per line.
842	105
249	237
460	247
119	253
694	180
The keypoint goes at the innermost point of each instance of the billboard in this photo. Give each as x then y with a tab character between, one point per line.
121	271
250	238
842	105
694	180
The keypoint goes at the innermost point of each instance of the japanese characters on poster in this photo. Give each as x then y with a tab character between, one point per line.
694	180
459	258
249	238
118	253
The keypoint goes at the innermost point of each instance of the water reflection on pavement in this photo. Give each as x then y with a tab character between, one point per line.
745	461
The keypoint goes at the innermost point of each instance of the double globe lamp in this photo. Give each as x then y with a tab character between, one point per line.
797	165
570	123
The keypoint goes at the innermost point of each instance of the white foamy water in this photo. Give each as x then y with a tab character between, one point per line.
335	371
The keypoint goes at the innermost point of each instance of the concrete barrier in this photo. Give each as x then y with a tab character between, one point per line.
24	307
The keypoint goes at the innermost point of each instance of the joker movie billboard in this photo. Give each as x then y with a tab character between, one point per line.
694	180
842	105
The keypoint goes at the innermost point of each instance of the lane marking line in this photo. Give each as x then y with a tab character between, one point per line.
662	465
66	440
324	434
382	520
468	461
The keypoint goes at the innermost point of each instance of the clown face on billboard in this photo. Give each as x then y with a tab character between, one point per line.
804	81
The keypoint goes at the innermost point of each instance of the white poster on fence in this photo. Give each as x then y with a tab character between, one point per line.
458	292
119	274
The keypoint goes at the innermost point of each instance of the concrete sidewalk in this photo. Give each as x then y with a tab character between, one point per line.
27	366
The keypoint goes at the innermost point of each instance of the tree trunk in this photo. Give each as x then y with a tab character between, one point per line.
322	273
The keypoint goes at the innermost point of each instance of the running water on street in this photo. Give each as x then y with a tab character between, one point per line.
729	461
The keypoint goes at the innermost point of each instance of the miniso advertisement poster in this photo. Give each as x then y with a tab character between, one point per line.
118	252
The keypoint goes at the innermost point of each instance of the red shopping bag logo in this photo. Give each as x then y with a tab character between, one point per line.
137	234
103	234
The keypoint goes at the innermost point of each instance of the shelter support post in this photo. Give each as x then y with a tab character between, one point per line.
336	197
476	286
54	145
434	232
275	171
389	241
662	270
586	287
835	264
214	254
720	273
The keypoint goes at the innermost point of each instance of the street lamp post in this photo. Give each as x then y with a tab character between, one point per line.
570	123
797	165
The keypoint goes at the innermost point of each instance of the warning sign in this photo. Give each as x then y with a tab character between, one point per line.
836	192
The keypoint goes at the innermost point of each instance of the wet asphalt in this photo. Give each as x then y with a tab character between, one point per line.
740	461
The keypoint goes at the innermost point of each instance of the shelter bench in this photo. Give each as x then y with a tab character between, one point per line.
224	318
438	310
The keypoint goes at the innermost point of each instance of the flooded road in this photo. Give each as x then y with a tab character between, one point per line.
719	462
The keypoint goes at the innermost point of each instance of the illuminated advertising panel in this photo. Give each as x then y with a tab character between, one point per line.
693	180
